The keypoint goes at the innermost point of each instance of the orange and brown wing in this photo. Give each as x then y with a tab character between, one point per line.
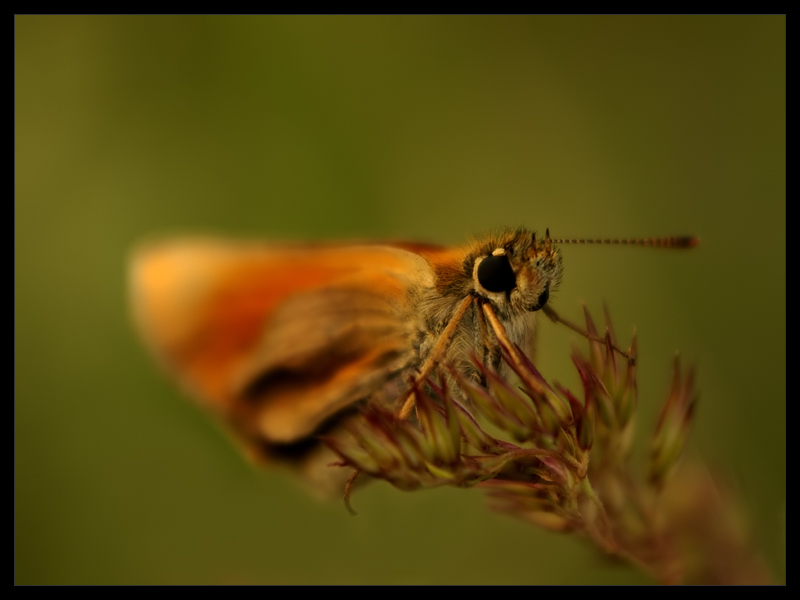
276	339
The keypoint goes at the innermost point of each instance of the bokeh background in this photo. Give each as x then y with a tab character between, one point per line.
427	128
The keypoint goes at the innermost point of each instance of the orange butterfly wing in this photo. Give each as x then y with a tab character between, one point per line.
277	339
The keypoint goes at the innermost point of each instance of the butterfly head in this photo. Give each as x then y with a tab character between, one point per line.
518	272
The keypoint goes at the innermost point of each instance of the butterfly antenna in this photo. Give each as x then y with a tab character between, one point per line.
676	241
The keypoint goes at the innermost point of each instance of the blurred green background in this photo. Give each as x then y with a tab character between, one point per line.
427	128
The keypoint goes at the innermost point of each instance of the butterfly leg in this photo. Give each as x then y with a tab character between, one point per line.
556	318
436	354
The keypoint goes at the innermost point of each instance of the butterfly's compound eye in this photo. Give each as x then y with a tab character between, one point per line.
543	298
495	274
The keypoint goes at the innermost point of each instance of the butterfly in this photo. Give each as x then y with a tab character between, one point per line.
283	341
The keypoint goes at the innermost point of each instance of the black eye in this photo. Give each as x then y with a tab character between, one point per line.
543	298
495	274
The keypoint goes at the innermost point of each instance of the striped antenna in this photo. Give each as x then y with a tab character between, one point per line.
680	241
